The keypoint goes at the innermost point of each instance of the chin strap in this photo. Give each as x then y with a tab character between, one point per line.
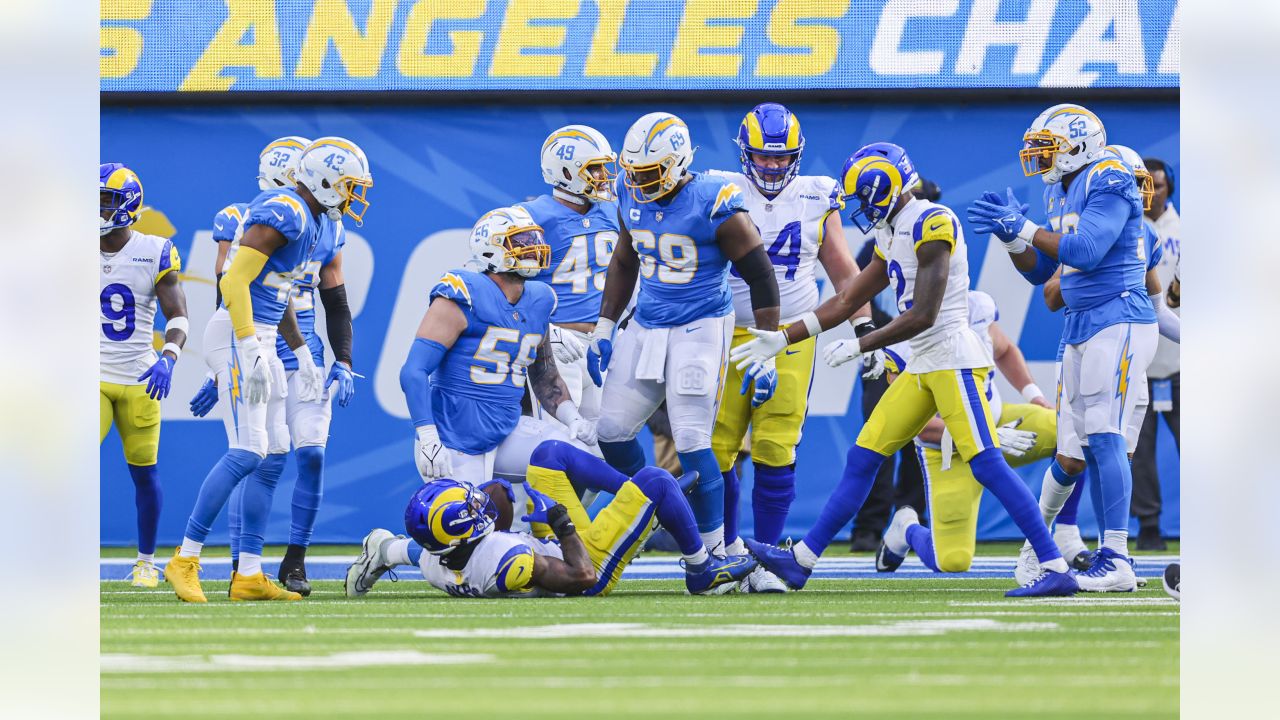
569	197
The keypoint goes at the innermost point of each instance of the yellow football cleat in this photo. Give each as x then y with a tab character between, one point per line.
183	573
258	587
145	574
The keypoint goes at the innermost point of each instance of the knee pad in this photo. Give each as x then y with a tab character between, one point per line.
141	450
310	460
549	454
690	439
954	561
771	452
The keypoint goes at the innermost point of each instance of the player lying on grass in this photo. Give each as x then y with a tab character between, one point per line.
456	541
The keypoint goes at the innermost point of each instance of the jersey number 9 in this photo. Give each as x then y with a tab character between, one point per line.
125	312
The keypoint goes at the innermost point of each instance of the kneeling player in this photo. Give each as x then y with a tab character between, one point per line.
467	556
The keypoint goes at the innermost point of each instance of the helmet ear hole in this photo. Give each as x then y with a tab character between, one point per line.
565	171
324	183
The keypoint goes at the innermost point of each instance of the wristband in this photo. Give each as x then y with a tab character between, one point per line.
173	348
604	328
811	324
567	413
1027	232
862	326
1031	392
558	519
178	323
1016	246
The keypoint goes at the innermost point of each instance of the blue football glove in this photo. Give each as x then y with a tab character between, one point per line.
600	350
764	377
1008	200
1003	221
206	397
158	377
342	375
541	504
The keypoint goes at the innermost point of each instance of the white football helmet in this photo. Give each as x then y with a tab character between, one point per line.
1062	139
278	160
571	153
508	240
336	172
1146	184
655	155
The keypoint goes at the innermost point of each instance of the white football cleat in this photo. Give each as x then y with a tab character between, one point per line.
762	581
1111	572
370	566
1028	567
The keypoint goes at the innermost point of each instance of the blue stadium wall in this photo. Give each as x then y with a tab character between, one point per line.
436	169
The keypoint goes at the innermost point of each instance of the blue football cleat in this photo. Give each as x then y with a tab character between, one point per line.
1049	584
717	571
781	563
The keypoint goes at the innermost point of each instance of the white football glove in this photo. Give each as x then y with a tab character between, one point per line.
765	344
579	427
842	351
1013	442
310	377
255	375
430	455
566	346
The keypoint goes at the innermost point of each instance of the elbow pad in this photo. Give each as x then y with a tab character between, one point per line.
338	322
245	267
757	272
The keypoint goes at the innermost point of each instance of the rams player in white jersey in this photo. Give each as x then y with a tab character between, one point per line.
283	229
580	219
798	217
920	250
679	233
137	272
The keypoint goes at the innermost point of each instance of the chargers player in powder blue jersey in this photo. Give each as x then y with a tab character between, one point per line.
1095	212
282	230
679	233
482	334
580	219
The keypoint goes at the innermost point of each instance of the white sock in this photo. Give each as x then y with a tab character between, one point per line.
714	540
804	555
1055	565
149	558
737	547
697	558
1117	540
250	564
396	552
190	548
1053	495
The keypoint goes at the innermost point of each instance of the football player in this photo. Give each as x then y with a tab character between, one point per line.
138	271
307	420
920	249
282	230
580	219
1095	212
454	538
679	233
798	219
483	332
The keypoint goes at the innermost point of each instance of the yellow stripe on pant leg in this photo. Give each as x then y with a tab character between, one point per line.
734	413
954	496
555	485
617	535
776	426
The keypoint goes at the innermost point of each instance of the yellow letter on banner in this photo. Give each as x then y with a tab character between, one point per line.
823	41
603	60
225	50
517	34
413	60
695	34
361	54
124	43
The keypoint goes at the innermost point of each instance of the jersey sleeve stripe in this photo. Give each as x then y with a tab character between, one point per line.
515	570
169	260
934	225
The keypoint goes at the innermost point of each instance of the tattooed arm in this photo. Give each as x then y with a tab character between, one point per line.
545	381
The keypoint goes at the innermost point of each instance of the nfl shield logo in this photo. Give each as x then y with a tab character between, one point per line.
658	216
586	222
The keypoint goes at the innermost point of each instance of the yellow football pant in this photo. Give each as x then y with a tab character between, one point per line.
959	396
136	417
954	494
775	425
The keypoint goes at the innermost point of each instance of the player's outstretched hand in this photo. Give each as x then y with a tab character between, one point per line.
763	378
1013	442
206	397
430	455
158	377
341	374
566	346
311	378
542	504
765	345
843	351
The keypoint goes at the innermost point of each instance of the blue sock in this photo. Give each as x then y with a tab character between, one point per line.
990	469
258	491
672	509
148	497
1071	508
307	491
626	456
732	492
1114	478
235	520
771	496
860	468
707	498
234	466
920	539
415	552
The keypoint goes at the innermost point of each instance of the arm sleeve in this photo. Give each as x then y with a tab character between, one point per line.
757	272
1168	321
245	266
415	378
338	322
1044	269
1100	226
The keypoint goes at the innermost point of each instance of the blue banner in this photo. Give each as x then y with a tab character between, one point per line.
375	45
436	170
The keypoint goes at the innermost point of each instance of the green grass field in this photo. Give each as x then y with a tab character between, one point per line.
841	648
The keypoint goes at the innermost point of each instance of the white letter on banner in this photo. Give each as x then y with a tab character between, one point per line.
1124	49
886	58
1171	56
985	31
